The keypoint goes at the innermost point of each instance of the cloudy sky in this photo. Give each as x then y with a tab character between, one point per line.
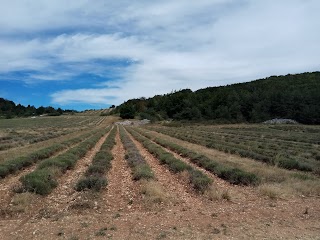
83	54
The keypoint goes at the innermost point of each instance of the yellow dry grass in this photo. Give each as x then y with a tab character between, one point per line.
153	192
20	202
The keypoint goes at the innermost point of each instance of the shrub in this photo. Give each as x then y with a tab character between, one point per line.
142	171
290	164
199	181
3	171
64	162
91	182
237	176
177	166
41	181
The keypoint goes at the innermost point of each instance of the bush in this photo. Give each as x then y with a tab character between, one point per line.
64	162
290	164
95	169
41	181
237	176
95	183
3	171
199	181
142	171
176	166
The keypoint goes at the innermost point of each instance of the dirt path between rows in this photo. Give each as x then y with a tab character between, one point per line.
175	186
122	193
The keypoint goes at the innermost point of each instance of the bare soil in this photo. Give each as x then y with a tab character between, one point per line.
121	211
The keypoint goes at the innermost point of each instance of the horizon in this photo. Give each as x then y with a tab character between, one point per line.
91	55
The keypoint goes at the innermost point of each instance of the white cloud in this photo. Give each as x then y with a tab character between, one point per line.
171	44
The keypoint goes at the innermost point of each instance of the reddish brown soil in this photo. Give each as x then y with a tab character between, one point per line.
121	212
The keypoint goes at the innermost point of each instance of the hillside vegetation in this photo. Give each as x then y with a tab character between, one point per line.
8	109
292	96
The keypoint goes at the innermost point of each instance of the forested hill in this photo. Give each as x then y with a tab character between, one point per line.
8	109
292	96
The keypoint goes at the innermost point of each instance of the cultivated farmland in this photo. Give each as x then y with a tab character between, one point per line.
83	177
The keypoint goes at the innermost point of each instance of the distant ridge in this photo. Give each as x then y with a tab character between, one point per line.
293	96
8	109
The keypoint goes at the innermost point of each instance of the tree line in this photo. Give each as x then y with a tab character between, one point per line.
8	109
293	96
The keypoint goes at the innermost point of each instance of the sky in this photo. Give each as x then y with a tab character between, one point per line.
84	54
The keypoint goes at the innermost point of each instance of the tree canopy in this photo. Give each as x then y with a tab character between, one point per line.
292	96
9	109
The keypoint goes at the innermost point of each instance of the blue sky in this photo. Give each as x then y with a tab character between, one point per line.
84	54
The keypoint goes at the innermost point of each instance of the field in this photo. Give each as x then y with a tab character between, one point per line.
83	177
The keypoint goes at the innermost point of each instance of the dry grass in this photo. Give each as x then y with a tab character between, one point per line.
184	175
153	192
304	187
226	195
20	202
213	194
85	200
272	191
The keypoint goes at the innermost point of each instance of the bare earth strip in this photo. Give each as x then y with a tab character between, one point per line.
121	189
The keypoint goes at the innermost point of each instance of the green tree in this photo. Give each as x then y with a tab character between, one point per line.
127	111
